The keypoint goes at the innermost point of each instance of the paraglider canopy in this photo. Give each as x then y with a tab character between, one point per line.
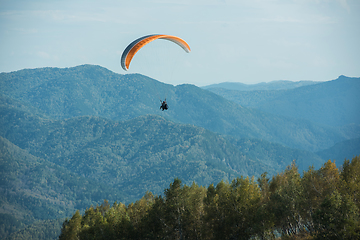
136	45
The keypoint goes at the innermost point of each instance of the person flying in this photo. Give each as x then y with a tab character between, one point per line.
164	105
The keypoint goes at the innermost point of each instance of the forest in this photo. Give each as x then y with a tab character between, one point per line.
315	204
72	137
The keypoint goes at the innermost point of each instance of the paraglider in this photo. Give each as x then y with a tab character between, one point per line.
136	45
164	105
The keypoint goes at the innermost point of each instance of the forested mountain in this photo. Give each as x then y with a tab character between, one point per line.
342	150
334	103
96	91
64	165
71	137
33	189
143	153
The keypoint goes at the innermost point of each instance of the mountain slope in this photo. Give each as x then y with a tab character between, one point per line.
83	90
342	150
277	156
92	90
148	150
33	189
334	103
143	153
26	177
212	112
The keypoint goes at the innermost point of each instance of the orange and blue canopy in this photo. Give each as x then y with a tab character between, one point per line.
136	45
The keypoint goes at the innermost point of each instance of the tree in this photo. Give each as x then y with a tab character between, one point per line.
231	209
285	194
217	211
350	174
154	221
174	209
137	214
118	222
323	204
71	228
337	218
317	185
194	211
264	218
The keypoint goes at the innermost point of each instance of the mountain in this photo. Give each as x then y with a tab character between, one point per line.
275	155
30	182
137	150
39	230
342	150
71	137
96	91
83	90
71	164
50	168
274	85
136	155
34	189
333	103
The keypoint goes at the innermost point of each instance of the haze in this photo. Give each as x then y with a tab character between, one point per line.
231	40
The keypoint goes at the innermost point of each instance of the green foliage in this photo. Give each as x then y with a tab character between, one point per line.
351	180
315	206
264	152
231	209
337	218
100	149
34	189
9	224
39	230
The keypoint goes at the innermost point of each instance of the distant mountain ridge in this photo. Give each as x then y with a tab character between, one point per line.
333	103
273	85
342	150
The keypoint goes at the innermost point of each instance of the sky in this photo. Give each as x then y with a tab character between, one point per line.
248	41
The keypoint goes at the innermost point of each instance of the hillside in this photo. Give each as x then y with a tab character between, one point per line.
333	103
71	137
83	90
342	150
95	91
34	189
99	148
81	161
278	156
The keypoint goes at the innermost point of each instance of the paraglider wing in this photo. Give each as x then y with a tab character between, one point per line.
136	45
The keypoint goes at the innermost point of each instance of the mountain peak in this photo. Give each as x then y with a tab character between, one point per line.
342	77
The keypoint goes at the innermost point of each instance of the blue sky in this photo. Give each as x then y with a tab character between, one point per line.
246	41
